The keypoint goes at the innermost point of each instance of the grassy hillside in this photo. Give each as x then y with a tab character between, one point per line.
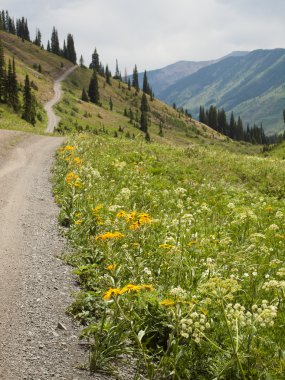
27	58
178	129
252	86
180	256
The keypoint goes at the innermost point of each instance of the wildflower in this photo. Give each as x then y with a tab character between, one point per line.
273	227
72	179
109	236
68	148
144	218
78	222
166	246
193	242
77	161
111	267
111	293
269	209
135	226
167	302
121	214
96	209
131	216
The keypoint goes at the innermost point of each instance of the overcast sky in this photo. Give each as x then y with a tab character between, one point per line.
155	33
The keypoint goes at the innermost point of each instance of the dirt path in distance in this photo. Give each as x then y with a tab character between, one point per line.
53	119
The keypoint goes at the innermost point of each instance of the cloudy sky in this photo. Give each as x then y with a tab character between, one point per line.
155	33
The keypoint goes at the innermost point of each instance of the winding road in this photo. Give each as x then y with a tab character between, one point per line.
38	341
53	119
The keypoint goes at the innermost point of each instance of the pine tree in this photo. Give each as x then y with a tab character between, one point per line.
108	75
135	82
55	42
70	49
117	72
29	107
129	84
93	91
84	96
2	72
95	64
144	114
232	130
38	39
48	46
111	104
146	87
81	61
14	88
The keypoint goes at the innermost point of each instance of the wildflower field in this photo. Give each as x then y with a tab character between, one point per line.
179	253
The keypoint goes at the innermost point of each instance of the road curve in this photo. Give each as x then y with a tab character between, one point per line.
53	119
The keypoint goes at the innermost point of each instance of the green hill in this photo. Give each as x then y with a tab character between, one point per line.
251	86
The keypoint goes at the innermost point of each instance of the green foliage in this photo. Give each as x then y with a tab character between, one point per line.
180	255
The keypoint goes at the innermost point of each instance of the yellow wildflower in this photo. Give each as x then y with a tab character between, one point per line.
96	209
135	226
73	179
131	288
269	209
131	216
167	302
110	235
150	288
78	222
68	148
144	218
166	246
111	292
193	242
111	267
121	214
77	161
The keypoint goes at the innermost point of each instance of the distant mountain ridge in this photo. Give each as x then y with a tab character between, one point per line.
251	85
160	79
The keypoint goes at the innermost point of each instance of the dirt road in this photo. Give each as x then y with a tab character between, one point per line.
35	286
53	119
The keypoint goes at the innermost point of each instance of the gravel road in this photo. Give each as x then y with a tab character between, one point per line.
53	119
35	286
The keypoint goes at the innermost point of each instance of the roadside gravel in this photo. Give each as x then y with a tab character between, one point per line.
35	286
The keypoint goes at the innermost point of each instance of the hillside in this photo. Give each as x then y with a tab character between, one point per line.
161	79
27	59
251	86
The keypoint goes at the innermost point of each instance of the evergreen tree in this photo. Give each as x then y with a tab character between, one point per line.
135	82
2	73
129	84
81	61
95	64
239	130
144	114
70	49
38	39
146	87
48	46
93	91
222	122
84	96
117	72
108	75
55	42
111	104
29	107
202	118
232	127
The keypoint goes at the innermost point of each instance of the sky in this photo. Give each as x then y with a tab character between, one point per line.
156	33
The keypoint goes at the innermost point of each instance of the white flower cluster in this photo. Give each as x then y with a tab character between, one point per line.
274	284
180	191
281	272
259	316
178	292
194	326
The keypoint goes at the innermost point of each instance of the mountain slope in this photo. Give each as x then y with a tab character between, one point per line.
252	86
160	79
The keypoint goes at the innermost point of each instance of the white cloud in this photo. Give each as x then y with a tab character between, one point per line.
154	33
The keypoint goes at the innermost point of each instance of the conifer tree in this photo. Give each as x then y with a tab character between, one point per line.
29	106
55	42
2	73
144	114
81	61
48	46
95	63
93	91
135	82
38	39
84	96
70	49
111	104
108	75
146	87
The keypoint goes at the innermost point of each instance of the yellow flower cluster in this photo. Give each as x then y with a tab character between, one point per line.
126	289
166	246
67	148
111	267
73	180
77	161
136	220
109	236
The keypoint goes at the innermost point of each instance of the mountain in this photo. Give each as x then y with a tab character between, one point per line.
160	79
251	85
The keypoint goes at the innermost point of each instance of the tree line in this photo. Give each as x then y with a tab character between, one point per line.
93	94
217	120
10	90
20	28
